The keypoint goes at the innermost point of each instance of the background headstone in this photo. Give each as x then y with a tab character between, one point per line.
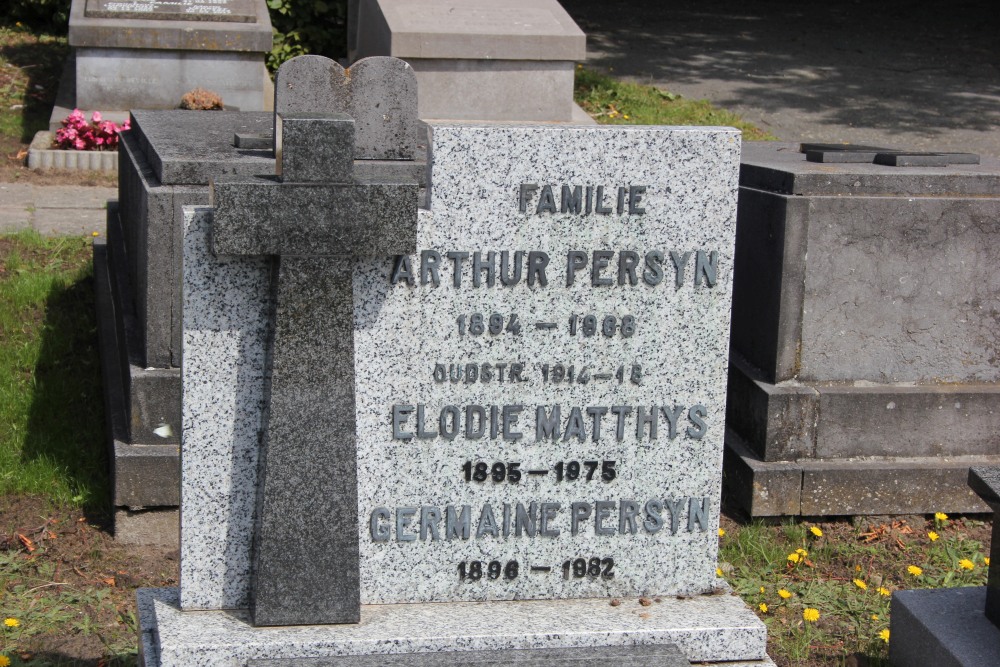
124	57
864	368
480	59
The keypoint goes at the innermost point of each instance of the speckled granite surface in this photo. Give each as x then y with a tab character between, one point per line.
225	330
402	332
705	628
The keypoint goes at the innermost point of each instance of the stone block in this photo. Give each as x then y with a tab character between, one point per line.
314	147
312	218
762	489
704	628
242	11
510	60
901	486
493	90
160	526
643	655
771	243
129	78
124	62
868	314
780	167
160	34
778	422
845	487
385	115
843	354
944	628
921	421
190	147
144	477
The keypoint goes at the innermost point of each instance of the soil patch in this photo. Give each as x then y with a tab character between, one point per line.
70	586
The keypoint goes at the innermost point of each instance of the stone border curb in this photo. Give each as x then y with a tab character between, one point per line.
42	157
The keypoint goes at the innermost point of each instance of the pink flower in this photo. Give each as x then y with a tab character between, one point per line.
99	134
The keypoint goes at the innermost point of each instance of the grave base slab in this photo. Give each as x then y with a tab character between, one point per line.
850	487
944	627
714	628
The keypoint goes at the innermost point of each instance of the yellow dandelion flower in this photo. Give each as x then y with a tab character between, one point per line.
802	552
884	591
579	66
783	594
810	615
718	571
966	564
860	584
763	607
940	516
986	561
4	661
625	116
95	234
794	558
761	589
857	568
874	617
817	531
11	622
915	570
884	635
722	531
932	536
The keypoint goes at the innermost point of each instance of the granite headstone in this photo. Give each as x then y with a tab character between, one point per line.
538	383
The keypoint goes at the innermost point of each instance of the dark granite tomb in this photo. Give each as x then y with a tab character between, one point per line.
863	372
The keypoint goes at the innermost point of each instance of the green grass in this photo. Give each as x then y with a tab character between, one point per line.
614	102
847	574
51	416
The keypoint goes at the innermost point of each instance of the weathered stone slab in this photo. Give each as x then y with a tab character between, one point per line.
379	93
243	11
945	628
705	628
650	655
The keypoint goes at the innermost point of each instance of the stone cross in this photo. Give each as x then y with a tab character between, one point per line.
346	187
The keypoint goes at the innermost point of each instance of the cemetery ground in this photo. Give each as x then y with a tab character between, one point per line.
67	589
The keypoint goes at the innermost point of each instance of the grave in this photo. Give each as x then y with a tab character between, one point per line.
478	421
864	369
145	54
952	627
498	60
165	163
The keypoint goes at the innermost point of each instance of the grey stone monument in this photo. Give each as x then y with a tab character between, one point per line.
481	423
952	627
145	54
864	363
497	60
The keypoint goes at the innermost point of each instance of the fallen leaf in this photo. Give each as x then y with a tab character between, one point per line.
28	544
